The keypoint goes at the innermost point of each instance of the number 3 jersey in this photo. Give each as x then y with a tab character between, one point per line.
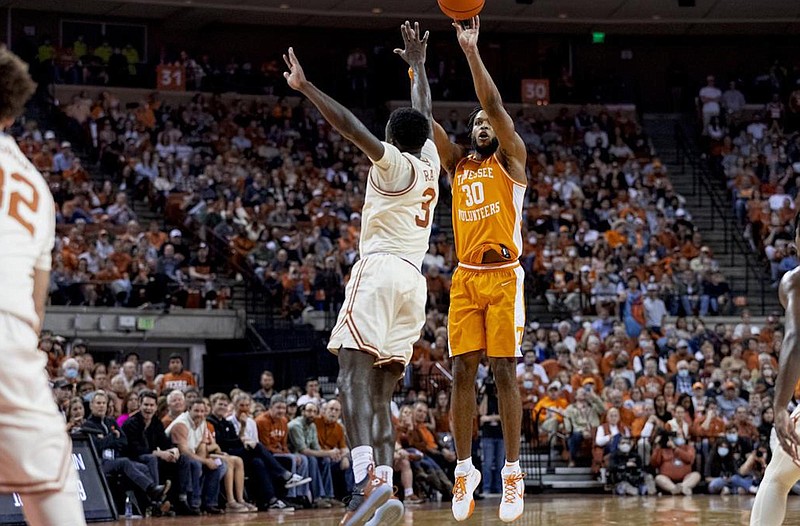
487	210
27	230
397	214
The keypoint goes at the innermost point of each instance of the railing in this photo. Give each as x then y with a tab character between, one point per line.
705	187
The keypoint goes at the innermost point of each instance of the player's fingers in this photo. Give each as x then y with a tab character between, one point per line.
425	38
477	22
398	51
286	75
286	59
416	29
456	24
293	56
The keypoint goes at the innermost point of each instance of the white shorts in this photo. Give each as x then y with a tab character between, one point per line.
35	449
383	311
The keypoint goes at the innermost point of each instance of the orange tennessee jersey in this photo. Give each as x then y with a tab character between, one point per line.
487	210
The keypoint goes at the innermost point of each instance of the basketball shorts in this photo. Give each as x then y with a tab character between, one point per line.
487	310
383	311
35	450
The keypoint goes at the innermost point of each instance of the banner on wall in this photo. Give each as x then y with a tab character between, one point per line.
92	488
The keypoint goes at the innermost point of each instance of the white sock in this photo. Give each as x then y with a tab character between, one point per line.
362	459
511	467
408	492
464	466
386	473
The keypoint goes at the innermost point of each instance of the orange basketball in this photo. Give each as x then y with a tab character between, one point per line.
461	9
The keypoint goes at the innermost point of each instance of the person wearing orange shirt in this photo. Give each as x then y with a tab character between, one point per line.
330	434
273	433
650	383
561	363
176	378
551	408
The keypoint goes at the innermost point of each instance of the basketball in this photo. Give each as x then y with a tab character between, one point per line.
461	9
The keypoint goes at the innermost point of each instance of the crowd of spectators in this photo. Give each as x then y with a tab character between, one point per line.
277	194
102	255
685	409
671	411
757	154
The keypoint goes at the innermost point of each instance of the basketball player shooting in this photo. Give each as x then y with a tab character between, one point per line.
35	450
487	312
384	307
783	471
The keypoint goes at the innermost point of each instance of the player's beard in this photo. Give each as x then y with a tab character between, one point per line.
488	150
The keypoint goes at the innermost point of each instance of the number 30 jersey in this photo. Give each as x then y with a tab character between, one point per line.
27	230
487	210
402	192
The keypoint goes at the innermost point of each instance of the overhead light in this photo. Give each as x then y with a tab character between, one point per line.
562	15
377	10
284	6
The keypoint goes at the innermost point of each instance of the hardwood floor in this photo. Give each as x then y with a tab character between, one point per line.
556	510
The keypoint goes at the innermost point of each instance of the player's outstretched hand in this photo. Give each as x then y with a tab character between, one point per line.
415	47
295	77
468	33
785	428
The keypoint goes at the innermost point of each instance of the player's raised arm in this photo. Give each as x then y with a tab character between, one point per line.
511	145
449	152
337	115
414	54
789	367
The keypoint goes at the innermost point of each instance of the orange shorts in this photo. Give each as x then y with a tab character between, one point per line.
487	310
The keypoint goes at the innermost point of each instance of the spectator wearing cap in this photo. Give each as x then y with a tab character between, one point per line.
176	378
681	353
729	400
699	398
63	392
62	161
549	411
179	247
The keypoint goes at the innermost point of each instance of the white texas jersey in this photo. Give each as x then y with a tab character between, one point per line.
27	230
397	214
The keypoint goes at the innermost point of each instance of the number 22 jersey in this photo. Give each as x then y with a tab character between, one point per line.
27	230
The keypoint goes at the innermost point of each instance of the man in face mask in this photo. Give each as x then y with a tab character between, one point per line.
625	470
70	368
683	379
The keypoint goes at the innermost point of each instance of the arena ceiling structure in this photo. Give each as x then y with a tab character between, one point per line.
660	17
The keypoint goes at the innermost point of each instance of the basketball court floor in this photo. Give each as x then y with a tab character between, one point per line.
555	510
